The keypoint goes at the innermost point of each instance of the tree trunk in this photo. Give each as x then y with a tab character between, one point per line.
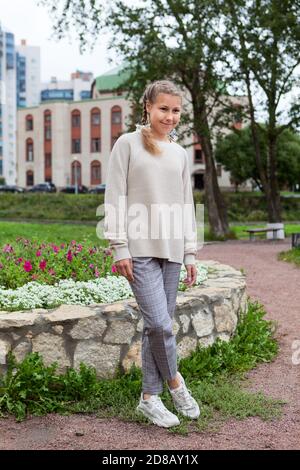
274	204
217	213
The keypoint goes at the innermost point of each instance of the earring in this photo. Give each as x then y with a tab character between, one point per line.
173	135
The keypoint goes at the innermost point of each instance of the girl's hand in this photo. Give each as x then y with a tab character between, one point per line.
124	267
191	275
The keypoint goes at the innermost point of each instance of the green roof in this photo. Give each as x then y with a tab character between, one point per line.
112	79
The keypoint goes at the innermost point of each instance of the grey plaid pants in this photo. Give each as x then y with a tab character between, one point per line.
155	288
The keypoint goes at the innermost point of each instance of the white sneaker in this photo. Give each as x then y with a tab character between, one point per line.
154	409
183	400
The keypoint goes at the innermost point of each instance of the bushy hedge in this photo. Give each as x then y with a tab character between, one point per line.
82	207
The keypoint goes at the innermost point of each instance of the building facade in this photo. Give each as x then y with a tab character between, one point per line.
57	139
8	107
76	89
28	62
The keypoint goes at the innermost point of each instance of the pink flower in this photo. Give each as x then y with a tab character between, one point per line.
55	248
73	242
91	266
69	256
19	260
108	251
114	269
62	245
97	274
79	247
42	264
34	277
51	272
38	253
7	248
27	266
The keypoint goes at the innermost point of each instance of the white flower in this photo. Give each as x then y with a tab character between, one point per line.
100	290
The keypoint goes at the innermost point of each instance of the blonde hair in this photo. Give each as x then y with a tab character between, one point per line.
150	94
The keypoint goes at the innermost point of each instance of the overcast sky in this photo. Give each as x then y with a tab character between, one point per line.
31	22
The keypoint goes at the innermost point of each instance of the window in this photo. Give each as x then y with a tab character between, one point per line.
95	172
48	160
47	116
29	123
116	116
47	125
198	156
96	145
29	178
76	118
48	133
29	150
76	147
95	117
76	173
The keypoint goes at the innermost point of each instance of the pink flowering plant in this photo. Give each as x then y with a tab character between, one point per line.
25	261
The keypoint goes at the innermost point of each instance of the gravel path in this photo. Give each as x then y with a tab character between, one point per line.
274	283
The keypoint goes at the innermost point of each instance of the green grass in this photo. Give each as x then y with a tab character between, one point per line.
52	232
291	256
240	235
215	375
81	232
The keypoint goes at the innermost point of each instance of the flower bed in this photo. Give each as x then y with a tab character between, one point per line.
40	275
47	263
108	334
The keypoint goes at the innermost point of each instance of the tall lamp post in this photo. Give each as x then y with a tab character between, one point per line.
75	174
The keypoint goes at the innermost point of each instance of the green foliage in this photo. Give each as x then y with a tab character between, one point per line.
236	152
53	206
251	344
31	387
291	256
213	374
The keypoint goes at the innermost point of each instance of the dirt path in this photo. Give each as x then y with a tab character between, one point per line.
274	283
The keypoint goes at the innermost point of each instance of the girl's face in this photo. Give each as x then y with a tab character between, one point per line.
164	114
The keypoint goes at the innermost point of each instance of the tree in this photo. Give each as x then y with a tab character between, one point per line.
263	38
173	39
237	154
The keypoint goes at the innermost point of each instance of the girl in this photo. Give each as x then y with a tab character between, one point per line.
148	173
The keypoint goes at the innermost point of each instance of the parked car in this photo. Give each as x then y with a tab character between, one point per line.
100	188
11	188
72	189
43	188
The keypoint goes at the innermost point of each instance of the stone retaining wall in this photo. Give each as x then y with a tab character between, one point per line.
106	335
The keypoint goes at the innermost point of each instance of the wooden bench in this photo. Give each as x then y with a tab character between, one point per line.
253	231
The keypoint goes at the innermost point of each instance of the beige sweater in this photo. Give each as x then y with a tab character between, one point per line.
149	208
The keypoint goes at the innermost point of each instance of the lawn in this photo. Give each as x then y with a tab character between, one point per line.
64	233
54	232
238	229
